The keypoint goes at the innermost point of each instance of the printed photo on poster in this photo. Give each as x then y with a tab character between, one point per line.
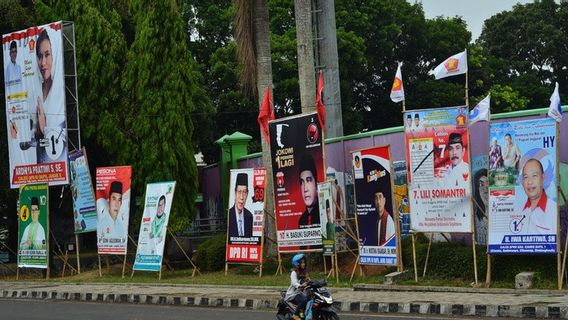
327	218
480	197
154	224
33	226
374	202
245	217
113	209
523	192
35	105
439	178
401	197
82	193
297	161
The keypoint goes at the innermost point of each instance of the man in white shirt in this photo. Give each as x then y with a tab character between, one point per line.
539	210
13	72
110	224
385	227
457	175
511	152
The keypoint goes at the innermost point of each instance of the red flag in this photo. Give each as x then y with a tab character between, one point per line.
320	107
266	114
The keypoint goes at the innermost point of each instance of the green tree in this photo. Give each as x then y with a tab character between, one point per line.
159	82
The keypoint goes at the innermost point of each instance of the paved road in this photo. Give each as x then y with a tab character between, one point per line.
64	310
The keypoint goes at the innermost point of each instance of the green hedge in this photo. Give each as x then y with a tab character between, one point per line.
210	254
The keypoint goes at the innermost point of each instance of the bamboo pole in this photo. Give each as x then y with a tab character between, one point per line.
414	257
77	253
427	255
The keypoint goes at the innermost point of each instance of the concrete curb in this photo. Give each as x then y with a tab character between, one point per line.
484	310
401	288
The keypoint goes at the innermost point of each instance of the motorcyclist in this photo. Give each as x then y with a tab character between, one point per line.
298	282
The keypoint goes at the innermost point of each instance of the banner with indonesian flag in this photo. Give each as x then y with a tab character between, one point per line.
245	217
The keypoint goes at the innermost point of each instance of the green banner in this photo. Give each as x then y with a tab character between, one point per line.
33	226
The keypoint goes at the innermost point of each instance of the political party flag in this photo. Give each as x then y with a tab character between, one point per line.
454	65
397	91
266	114
555	108
320	107
481	111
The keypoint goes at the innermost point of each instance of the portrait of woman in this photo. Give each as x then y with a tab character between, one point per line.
481	199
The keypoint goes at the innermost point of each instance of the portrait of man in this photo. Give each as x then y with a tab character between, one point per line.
110	221
13	72
408	121
157	225
386	228
33	237
457	174
495	155
417	124
308	189
538	210
511	152
240	218
357	162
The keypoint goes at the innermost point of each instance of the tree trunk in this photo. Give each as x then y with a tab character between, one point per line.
304	40
264	79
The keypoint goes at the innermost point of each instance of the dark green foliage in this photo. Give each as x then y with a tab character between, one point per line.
210	254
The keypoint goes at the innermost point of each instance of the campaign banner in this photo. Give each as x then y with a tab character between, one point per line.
82	192
480	185
401	197
523	194
296	148
245	217
438	172
113	209
376	222
154	225
327	217
33	226
36	120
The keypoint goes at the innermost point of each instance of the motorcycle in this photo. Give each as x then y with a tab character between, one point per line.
319	306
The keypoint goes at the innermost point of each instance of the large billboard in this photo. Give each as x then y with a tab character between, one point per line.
154	225
523	194
33	241
113	209
35	105
376	219
82	192
245	217
439	177
296	148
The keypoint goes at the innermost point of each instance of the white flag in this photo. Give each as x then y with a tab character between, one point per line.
397	91
454	65
555	108
481	111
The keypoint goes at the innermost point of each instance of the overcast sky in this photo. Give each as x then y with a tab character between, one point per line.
474	12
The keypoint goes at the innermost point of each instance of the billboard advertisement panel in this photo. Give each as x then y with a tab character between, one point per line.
82	192
296	147
35	105
327	216
33	241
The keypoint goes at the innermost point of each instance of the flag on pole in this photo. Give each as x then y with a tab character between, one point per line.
266	114
320	107
555	108
481	111
454	65
397	91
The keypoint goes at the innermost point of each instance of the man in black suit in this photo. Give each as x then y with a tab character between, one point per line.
309	190
240	218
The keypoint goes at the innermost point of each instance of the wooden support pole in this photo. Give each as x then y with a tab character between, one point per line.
414	256
474	257
195	269
488	276
100	268
77	253
427	255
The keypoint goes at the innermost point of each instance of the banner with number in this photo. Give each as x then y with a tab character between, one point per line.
36	120
376	221
523	182
245	217
154	225
82	192
327	217
439	176
113	209
33	241
296	148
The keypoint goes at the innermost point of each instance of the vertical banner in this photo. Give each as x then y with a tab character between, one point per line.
82	192
245	218
376	223
113	209
523	194
35	105
33	226
327	217
401	197
153	227
296	148
480	197
439	178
